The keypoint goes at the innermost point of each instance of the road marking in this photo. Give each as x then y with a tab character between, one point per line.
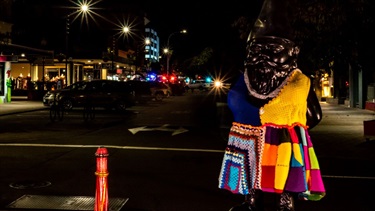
109	146
347	177
181	112
161	128
151	148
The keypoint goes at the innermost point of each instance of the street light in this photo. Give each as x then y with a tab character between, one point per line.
168	49
83	10
124	31
147	52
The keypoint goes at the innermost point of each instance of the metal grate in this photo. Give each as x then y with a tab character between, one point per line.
63	202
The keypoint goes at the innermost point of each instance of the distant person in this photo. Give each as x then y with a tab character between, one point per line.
269	147
9	84
59	84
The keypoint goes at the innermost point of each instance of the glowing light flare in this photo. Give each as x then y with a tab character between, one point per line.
126	28
218	84
147	41
220	87
85	10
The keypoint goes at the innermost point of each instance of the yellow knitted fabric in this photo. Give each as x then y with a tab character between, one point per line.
290	106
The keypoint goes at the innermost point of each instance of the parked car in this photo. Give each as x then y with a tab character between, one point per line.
146	90
198	84
108	94
178	89
160	90
169	91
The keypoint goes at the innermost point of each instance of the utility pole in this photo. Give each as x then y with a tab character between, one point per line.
113	52
67	28
169	53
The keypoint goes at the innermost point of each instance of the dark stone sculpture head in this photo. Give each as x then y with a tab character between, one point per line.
271	52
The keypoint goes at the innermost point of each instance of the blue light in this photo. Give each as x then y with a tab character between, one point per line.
151	77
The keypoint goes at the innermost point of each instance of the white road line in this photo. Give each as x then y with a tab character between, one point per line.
151	148
109	146
347	177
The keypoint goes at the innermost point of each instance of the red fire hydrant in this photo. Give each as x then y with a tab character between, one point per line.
101	195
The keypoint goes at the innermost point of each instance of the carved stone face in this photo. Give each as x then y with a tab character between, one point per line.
269	61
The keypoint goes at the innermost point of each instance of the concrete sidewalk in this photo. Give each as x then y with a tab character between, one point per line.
19	105
346	122
341	136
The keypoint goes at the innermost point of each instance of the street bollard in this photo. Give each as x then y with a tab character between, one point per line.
101	195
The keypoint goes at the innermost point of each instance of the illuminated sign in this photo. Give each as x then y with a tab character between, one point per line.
8	58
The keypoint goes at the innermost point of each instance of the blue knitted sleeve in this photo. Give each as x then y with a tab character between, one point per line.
243	111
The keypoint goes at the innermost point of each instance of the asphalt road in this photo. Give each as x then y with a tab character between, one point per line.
167	156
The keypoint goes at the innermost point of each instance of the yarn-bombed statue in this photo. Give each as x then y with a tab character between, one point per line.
269	147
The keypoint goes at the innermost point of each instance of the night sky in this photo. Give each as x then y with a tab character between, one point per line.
208	23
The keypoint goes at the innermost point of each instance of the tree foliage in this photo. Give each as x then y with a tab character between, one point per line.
328	30
201	63
331	34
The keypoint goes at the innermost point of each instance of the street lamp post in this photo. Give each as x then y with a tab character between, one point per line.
168	58
113	54
67	27
147	52
125	30
83	10
168	50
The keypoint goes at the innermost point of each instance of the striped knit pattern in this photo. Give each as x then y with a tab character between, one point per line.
272	159
277	156
241	168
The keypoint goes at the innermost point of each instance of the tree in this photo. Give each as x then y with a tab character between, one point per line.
331	34
200	64
334	34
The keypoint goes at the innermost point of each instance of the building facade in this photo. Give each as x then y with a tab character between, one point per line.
99	52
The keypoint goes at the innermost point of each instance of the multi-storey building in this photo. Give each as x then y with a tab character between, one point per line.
152	46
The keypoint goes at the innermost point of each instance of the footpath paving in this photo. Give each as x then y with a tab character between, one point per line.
20	104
